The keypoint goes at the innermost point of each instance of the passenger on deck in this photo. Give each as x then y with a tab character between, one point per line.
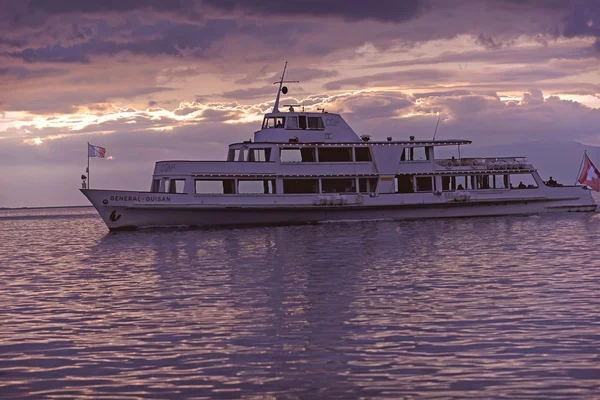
460	187
551	182
522	185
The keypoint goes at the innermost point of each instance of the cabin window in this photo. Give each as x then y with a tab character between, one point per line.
452	183
166	185
367	185
522	181
461	183
404	184
346	185
273	122
304	154
177	186
155	186
236	155
424	184
484	182
447	182
259	155
315	123
300	186
263	186
362	154
335	154
414	154
214	186
501	181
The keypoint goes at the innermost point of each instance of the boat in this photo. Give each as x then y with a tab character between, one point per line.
307	167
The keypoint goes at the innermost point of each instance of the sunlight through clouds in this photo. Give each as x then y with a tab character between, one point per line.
186	78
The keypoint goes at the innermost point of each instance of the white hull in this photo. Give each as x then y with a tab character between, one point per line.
131	210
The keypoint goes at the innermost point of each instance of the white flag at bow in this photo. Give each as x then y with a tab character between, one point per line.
96	151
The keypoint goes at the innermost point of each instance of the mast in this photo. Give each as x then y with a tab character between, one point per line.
281	88
581	165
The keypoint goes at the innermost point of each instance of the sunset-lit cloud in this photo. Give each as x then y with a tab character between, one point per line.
152	80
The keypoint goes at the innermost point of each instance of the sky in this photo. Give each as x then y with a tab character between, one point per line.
154	80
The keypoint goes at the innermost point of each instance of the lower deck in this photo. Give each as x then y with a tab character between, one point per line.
121	209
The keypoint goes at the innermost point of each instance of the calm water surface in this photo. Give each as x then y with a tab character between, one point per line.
505	307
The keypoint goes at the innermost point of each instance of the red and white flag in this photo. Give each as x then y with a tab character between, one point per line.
589	174
96	151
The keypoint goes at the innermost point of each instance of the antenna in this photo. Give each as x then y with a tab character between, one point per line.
281	88
436	126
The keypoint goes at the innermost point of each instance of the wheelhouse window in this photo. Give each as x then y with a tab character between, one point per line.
345	185
300	186
273	122
335	154
293	123
367	185
414	154
304	122
302	154
315	123
362	154
214	186
253	186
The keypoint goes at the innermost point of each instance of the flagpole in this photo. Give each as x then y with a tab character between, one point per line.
578	172
88	165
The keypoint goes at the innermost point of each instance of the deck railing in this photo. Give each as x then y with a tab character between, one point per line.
499	163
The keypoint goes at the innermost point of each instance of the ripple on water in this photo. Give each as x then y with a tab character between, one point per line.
462	308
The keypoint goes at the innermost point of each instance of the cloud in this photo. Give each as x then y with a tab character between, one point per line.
91	6
22	73
124	74
250	93
421	77
389	11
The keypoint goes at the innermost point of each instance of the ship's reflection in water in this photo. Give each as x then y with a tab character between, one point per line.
465	308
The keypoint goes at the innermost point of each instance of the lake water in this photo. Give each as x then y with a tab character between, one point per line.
504	307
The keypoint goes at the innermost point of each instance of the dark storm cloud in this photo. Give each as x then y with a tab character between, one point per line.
164	38
382	10
71	31
94	6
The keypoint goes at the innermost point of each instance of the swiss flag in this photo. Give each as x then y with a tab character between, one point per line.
589	174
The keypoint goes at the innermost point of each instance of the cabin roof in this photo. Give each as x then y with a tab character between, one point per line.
407	143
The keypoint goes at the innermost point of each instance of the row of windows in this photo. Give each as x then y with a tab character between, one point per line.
412	184
267	186
402	184
296	122
303	154
324	154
